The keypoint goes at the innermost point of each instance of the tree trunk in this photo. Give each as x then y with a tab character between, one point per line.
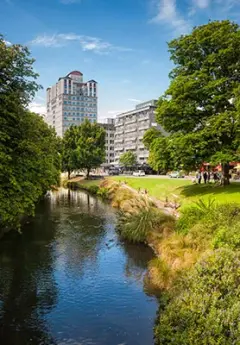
225	174
88	172
69	174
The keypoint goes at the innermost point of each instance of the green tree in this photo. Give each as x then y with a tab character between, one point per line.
128	159
29	159
83	147
69	145
150	135
200	109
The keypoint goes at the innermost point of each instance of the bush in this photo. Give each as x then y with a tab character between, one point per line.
227	237
193	214
139	217
206	309
92	189
102	192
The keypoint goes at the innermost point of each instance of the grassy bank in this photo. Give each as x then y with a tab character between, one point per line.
197	266
184	190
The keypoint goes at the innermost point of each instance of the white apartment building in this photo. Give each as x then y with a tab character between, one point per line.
70	101
130	129
109	126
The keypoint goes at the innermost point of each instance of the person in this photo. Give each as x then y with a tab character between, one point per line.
205	177
199	177
208	176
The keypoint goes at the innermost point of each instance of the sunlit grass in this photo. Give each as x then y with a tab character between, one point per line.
183	190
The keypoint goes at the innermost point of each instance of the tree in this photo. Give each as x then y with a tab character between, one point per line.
29	159
128	159
69	145
150	135
200	109
83	147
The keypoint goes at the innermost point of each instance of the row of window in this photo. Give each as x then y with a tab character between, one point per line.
82	104
75	120
78	114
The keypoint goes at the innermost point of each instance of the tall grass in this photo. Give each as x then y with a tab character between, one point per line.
140	217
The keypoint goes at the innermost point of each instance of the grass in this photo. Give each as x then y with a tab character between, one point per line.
184	190
86	183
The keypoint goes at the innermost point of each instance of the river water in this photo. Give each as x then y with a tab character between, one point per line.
68	279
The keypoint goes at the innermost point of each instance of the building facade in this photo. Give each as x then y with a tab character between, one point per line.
130	129
109	126
70	101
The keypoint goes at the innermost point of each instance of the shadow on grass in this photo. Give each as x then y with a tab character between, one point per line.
201	190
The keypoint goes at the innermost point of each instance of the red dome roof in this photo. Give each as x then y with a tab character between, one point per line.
75	73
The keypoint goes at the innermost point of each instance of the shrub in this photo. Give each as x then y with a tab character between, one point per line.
206	309
227	237
92	189
139	217
103	192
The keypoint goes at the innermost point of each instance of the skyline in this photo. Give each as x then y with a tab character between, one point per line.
120	45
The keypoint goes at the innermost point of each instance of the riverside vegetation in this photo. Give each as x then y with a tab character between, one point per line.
197	264
29	149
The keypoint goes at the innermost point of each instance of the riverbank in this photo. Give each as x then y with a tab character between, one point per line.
203	243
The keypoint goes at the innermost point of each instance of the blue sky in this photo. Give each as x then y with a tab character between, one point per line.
120	43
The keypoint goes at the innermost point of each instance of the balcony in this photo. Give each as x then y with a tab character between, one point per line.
143	118
119	131
146	126
141	146
118	141
130	147
119	148
118	124
130	121
130	130
130	139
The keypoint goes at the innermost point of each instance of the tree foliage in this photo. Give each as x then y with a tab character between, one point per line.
200	109
29	160
83	147
128	159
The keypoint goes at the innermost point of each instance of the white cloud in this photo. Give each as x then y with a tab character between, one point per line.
202	3
37	108
7	43
167	13
87	43
135	100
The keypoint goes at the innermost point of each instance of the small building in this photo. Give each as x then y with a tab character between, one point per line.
130	129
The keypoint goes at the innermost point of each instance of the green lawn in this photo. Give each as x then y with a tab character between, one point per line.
184	190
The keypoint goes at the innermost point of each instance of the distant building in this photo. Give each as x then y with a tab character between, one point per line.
130	129
70	101
109	126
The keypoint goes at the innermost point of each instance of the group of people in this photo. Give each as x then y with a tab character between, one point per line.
206	176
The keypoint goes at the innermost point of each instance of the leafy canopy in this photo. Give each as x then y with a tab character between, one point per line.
128	159
200	109
83	147
29	149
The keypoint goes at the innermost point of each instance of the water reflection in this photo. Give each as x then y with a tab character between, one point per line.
68	279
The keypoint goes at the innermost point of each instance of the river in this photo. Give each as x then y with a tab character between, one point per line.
69	279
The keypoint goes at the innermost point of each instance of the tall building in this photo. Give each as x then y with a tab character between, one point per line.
130	129
109	126
70	101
